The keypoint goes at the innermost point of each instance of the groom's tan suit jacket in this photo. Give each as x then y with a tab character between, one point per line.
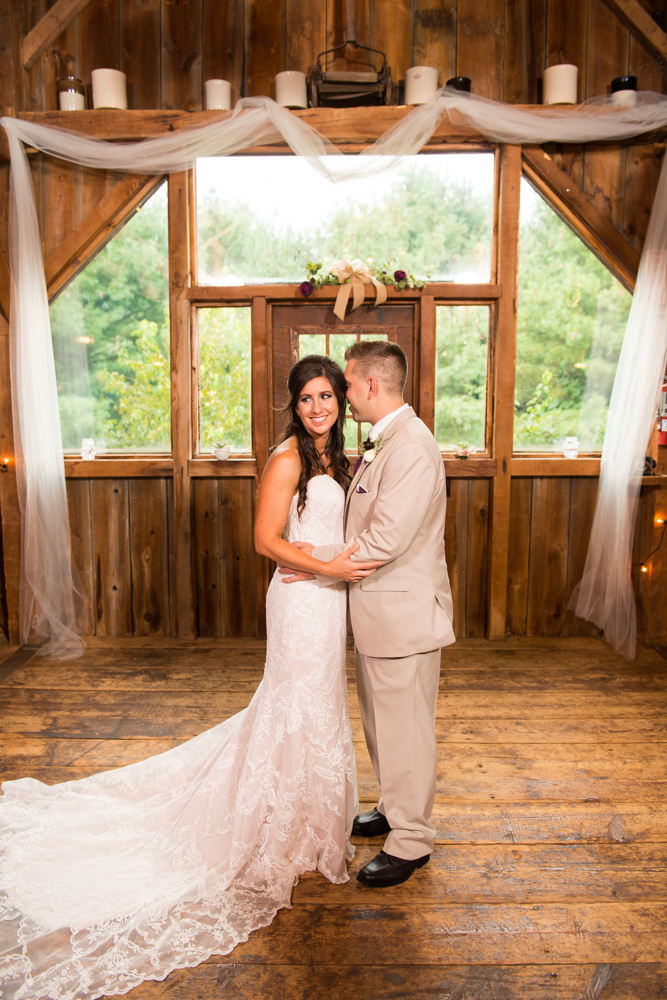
395	512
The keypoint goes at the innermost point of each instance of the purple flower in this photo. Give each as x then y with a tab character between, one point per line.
305	288
400	275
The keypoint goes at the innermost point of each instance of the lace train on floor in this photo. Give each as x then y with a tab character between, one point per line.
124	876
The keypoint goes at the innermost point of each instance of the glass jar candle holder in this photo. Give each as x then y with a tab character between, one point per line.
71	94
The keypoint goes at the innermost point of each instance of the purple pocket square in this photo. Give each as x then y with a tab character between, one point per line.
360	489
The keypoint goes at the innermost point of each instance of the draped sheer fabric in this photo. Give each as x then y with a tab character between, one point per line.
51	595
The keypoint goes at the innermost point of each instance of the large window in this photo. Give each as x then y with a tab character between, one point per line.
462	341
572	316
262	218
224	379
110	330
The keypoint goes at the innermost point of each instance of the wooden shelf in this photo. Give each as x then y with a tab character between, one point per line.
210	294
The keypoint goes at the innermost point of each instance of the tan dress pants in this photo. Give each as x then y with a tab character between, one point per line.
398	699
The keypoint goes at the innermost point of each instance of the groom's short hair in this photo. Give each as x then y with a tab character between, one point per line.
382	359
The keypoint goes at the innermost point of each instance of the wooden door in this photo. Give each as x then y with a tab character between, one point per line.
310	328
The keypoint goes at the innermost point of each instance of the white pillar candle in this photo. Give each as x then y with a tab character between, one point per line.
109	89
624	98
559	85
69	100
291	89
421	83
217	95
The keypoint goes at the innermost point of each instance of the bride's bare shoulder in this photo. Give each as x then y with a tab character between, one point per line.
284	462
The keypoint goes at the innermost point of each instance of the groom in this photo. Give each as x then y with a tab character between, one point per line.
402	614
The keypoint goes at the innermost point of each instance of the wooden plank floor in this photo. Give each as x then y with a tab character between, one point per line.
549	878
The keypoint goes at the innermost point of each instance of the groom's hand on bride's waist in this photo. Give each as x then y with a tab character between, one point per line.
293	576
342	567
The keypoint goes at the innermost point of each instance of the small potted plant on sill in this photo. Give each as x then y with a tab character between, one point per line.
221	451
465	450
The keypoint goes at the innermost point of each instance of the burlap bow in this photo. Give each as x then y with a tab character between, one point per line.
352	276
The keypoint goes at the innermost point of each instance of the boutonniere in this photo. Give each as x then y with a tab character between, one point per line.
370	454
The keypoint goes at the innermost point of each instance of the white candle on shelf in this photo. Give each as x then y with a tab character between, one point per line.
109	89
217	95
421	83
291	89
69	100
559	85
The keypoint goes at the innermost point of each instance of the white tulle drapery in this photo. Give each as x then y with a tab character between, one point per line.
51	595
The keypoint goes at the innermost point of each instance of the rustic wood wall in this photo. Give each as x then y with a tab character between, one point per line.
123	529
169	48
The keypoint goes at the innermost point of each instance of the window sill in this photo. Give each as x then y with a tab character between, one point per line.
553	466
470	468
118	468
205	468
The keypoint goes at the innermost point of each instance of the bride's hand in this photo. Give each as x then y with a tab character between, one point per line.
342	567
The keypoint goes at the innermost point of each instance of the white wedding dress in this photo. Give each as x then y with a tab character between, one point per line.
124	876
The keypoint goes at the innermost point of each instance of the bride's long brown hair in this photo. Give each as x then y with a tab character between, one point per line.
306	369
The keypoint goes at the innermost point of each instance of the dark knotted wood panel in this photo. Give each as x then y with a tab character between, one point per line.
434	36
226	564
149	556
109	508
547	575
122	544
525	41
223	43
480	45
181	54
140	53
265	44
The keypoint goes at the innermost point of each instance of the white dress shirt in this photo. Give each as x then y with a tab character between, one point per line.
382	424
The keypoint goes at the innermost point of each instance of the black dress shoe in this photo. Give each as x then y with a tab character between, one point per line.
370	824
386	870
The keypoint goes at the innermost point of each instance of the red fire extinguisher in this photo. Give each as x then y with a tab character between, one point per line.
662	414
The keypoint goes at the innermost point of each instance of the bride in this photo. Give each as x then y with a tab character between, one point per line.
127	875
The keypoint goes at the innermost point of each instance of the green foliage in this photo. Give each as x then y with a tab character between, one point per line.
225	378
141	385
432	226
110	327
572	315
111	332
462	337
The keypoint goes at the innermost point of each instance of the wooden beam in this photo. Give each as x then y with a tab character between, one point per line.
179	319
439	290
5	285
96	229
426	400
354	128
49	28
640	22
504	376
573	204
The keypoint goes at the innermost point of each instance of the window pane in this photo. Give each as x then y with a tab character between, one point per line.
571	320
225	379
110	329
462	342
261	218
